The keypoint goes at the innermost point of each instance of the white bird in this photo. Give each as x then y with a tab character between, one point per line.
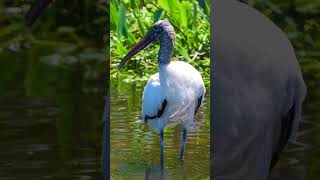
174	94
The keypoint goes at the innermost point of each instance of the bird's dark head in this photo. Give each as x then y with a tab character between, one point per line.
161	31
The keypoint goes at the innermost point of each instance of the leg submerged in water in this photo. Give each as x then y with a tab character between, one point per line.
184	137
161	146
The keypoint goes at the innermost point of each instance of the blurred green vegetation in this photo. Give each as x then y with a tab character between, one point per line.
53	76
130	20
73	30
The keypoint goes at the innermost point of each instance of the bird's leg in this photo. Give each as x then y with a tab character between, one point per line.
184	137
161	146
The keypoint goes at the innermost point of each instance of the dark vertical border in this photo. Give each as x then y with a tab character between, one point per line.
106	115
106	138
211	84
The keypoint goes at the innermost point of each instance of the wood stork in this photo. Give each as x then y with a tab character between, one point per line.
174	94
258	90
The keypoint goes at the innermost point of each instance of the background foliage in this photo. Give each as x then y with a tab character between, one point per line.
130	20
73	29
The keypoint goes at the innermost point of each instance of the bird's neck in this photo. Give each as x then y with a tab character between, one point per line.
165	51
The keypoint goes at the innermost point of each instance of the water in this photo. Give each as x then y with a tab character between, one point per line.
50	117
135	149
50	127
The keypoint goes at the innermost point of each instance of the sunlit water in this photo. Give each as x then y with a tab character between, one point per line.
135	149
50	117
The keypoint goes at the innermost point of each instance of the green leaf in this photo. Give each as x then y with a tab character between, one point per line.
121	49
165	5
122	29
184	13
114	15
139	23
183	52
158	15
195	15
174	6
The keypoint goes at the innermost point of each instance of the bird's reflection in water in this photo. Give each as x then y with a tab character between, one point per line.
156	173
162	173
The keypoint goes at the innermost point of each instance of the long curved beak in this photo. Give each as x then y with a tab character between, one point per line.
142	44
35	11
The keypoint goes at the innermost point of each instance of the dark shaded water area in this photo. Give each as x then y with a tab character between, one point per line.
135	149
50	115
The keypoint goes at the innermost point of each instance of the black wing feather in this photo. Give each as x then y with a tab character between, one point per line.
160	111
198	105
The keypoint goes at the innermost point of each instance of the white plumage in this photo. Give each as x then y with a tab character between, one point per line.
181	85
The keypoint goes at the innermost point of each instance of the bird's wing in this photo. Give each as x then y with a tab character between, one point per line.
153	102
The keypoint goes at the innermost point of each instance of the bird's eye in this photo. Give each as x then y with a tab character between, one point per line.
158	30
